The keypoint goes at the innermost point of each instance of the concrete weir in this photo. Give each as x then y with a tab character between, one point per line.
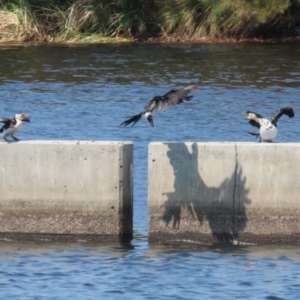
66	189
233	192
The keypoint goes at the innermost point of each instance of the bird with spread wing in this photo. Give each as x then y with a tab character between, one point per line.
267	128
160	103
11	126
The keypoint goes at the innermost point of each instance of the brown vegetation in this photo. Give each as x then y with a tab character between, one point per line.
146	20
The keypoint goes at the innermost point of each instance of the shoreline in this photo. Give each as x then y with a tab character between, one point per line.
160	40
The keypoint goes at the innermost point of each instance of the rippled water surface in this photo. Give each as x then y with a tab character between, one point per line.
84	93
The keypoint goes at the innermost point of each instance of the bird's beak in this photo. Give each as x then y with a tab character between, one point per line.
150	119
244	113
26	120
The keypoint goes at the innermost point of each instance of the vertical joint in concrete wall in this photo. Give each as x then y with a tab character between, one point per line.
234	233
126	191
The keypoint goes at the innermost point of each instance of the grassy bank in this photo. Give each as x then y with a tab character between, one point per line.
131	20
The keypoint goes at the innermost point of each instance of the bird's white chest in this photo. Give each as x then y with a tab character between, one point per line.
267	131
13	129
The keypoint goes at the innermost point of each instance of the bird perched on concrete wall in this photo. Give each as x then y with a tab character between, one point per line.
159	103
11	126
267	128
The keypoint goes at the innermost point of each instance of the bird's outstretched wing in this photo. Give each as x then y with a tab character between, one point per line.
253	118
7	123
173	97
282	111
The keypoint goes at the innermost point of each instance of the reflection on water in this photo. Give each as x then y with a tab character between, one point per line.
84	92
57	271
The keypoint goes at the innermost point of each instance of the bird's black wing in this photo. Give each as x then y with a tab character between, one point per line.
254	123
7	123
173	97
253	118
282	111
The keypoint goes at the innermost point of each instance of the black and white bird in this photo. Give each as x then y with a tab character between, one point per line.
160	103
11	126
267	128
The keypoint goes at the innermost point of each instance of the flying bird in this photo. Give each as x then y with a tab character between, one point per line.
160	103
11	126
267	128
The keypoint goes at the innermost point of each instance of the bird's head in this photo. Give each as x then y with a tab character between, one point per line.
251	115
150	120
22	117
245	113
148	116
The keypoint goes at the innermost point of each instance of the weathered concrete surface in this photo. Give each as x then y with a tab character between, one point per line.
66	187
247	192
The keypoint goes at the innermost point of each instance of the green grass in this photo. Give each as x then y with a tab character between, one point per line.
125	20
18	22
225	18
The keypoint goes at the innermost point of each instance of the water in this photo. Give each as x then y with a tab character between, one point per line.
143	272
83	93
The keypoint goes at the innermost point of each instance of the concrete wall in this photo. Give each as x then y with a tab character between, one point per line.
66	187
242	192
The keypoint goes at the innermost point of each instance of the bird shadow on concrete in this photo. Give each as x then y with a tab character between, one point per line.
222	208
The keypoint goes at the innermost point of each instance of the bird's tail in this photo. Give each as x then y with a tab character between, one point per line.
133	119
253	133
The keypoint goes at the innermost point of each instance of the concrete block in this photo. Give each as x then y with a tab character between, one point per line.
247	192
272	174
66	187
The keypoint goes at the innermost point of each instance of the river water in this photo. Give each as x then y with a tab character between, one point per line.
84	92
